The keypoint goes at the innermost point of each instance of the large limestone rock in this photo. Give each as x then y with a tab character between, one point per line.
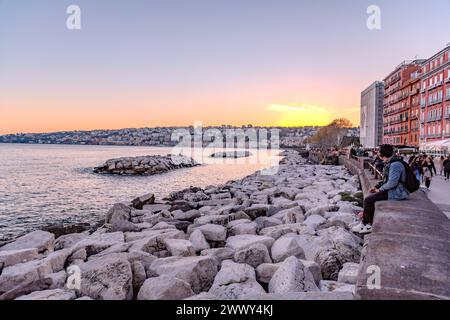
253	255
32	271
290	277
286	247
41	240
265	222
119	212
313	221
276	232
244	241
55	294
314	269
265	271
12	257
331	249
179	247
199	272
108	278
165	288
235	280
220	254
257	210
139	202
343	217
349	273
213	232
346	243
242	227
139	274
168	233
198	241
190	215
69	240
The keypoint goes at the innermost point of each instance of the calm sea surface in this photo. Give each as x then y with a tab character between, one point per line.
44	184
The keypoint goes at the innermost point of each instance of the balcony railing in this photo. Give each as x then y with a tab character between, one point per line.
433	102
432	136
436	118
397	121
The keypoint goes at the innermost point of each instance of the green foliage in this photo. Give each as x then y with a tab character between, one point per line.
357	197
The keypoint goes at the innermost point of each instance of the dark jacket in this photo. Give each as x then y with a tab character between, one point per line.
417	166
430	166
446	165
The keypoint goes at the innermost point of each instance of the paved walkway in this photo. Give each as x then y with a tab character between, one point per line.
439	193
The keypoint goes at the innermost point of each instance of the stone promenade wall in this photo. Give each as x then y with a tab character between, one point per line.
410	244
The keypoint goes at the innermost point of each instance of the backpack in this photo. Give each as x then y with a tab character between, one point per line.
411	183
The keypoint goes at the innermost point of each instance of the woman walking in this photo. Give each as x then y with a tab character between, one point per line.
427	176
428	162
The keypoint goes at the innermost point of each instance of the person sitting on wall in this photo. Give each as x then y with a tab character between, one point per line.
391	188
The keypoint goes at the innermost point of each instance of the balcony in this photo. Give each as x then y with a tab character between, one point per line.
447	80
392	122
434	136
433	102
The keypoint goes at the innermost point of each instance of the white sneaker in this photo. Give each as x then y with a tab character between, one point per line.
358	228
366	229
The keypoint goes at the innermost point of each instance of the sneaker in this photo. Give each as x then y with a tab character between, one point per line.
366	229
358	228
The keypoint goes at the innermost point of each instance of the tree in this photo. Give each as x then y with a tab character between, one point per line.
332	134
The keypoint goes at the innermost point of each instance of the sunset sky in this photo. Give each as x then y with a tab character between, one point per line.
172	62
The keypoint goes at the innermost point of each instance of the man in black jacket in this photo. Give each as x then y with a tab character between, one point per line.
446	165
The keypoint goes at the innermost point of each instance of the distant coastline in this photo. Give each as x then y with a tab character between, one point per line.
152	137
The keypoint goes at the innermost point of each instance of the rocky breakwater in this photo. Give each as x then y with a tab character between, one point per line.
145	165
231	154
283	236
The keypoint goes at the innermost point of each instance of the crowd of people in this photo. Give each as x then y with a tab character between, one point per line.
402	175
424	166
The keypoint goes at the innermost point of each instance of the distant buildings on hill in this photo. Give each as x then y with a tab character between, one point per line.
161	136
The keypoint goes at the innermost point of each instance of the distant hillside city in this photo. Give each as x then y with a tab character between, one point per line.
160	136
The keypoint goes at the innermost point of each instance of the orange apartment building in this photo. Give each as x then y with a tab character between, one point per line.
401	105
435	102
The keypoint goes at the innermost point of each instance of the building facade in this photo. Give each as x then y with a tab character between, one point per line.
400	105
435	100
371	131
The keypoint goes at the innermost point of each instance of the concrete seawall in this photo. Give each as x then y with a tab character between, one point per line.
410	244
